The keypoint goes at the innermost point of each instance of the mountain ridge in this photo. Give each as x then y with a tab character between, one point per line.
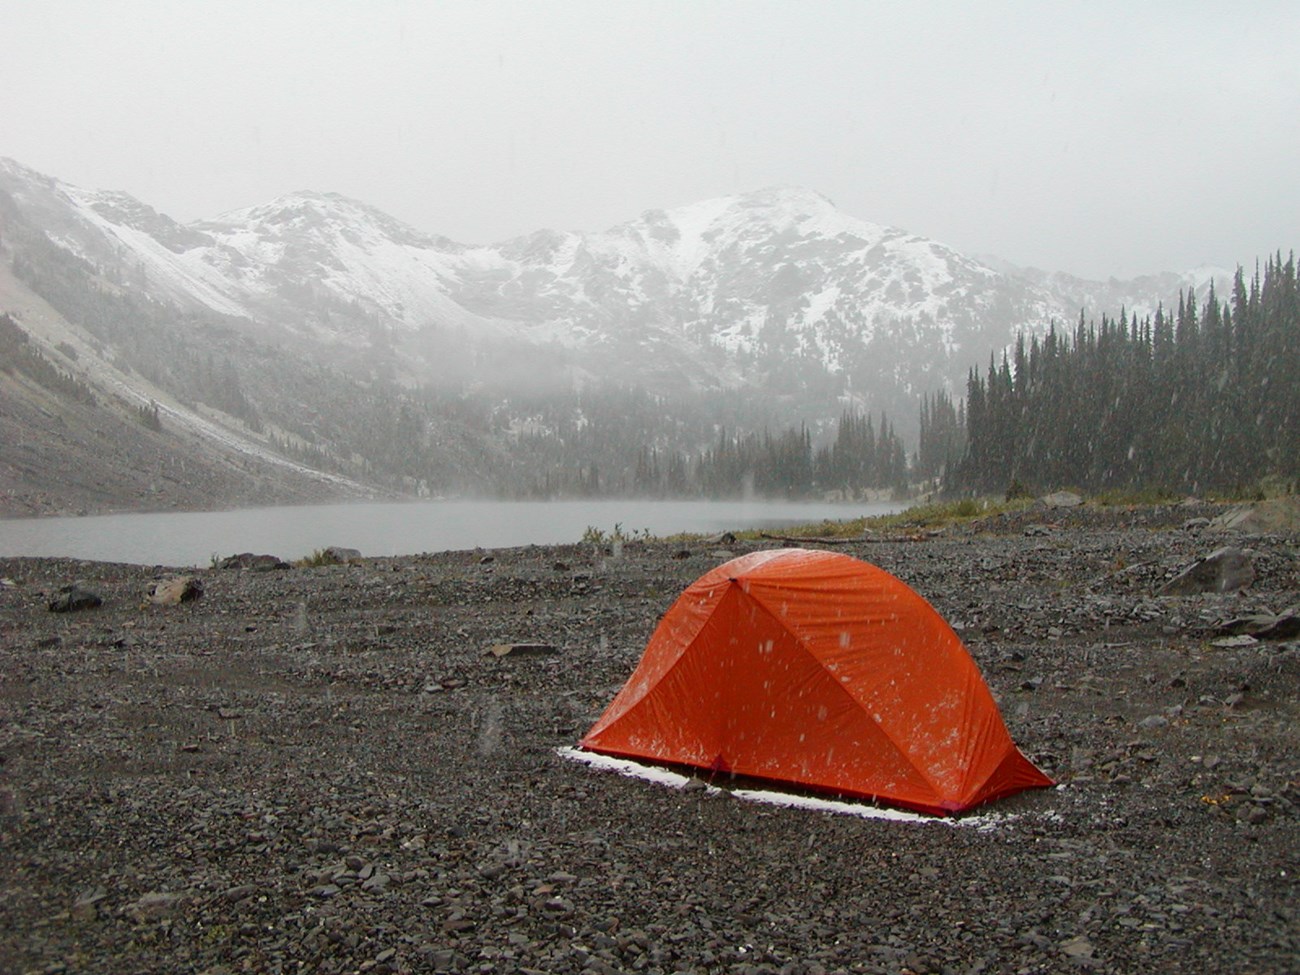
774	295
675	266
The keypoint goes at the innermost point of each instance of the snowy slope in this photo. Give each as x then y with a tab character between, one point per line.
355	253
775	288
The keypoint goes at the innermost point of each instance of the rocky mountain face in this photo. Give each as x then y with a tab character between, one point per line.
774	294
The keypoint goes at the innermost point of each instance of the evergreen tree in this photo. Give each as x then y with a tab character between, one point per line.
1205	398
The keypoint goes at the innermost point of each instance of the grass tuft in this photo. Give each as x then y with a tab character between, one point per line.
317	558
924	516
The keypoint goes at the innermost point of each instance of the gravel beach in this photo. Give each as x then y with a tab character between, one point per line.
326	769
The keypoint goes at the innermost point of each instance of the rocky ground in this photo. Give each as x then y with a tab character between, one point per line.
320	770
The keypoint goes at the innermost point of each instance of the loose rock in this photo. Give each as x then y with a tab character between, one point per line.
319	768
179	589
1227	569
254	563
1061	499
73	598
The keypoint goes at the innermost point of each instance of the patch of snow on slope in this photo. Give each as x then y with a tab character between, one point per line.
259	251
692	222
183	275
70	245
924	256
356	256
822	302
815	314
405	281
830	223
565	255
741	332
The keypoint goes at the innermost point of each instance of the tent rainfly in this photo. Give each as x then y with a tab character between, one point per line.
819	671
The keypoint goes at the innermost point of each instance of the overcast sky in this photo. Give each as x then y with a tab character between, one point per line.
1098	138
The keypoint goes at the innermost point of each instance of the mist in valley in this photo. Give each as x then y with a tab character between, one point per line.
783	304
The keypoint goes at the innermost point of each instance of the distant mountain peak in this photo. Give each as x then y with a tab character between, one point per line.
297	203
775	288
780	207
786	197
326	215
15	168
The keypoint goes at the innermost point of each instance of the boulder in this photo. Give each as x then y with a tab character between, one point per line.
1265	626
177	589
1224	570
337	553
156	904
519	649
86	906
1275	516
1061	499
254	563
73	598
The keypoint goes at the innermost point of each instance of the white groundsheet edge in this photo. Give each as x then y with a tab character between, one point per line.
676	780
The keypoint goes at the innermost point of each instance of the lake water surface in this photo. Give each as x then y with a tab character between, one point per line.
193	538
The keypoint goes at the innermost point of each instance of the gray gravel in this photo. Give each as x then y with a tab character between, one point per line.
321	770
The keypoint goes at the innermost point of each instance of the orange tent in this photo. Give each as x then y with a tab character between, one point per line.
821	671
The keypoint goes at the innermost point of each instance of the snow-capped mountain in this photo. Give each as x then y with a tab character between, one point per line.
775	289
316	333
730	291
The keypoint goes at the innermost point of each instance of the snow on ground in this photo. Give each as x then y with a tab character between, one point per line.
564	256
924	257
822	302
360	260
405	281
675	780
259	251
184	274
692	222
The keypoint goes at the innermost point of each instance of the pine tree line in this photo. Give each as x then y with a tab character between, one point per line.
785	464
1194	400
942	440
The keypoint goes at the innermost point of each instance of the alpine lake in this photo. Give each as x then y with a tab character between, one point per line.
392	529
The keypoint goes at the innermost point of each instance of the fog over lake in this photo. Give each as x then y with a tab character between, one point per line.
193	538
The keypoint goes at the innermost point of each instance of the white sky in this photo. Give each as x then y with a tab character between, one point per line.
1101	138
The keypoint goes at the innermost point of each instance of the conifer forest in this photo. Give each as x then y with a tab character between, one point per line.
1198	398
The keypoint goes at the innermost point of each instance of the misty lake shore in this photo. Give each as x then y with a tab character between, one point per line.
323	769
294	532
